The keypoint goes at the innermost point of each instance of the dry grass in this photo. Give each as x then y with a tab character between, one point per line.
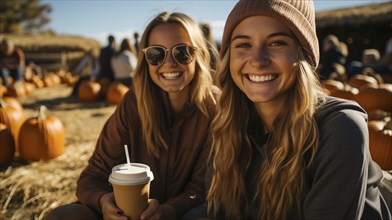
30	191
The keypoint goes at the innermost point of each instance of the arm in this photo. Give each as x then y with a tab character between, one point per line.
339	171
21	57
93	182
192	195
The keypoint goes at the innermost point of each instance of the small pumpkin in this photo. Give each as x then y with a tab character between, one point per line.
17	89
41	137
89	91
115	93
7	145
380	142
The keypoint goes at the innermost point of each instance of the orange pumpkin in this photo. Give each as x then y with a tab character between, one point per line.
7	145
13	102
12	118
380	143
89	91
37	81
29	87
332	85
17	89
41	137
348	92
375	97
104	82
359	81
116	92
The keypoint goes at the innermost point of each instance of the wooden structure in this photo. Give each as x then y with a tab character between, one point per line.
49	62
362	27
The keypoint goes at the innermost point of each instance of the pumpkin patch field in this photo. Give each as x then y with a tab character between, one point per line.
32	187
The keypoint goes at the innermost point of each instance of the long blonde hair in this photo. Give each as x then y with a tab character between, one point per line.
294	133
149	96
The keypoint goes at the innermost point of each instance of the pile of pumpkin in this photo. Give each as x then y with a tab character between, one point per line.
33	139
89	90
375	97
93	90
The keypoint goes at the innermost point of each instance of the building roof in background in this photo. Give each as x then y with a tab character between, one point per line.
355	16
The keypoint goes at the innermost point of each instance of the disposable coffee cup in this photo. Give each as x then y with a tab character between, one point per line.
131	187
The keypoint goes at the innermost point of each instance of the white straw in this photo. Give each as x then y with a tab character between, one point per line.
127	155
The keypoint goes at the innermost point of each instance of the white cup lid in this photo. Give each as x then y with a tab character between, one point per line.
135	174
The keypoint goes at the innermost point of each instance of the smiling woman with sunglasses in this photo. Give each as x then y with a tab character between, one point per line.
164	119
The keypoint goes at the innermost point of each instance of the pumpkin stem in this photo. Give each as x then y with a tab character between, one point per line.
42	112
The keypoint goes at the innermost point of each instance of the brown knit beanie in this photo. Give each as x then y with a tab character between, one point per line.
297	15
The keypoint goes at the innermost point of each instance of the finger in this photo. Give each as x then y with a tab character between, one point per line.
110	210
151	209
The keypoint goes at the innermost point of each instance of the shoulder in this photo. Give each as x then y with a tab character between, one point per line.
332	108
342	126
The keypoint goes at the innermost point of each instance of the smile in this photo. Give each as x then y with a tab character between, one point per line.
261	78
171	75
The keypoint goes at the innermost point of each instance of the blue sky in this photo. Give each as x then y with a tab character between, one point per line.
98	18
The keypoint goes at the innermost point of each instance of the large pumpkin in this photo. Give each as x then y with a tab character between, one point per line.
348	92
359	81
332	85
380	143
7	145
89	91
375	97
115	93
41	137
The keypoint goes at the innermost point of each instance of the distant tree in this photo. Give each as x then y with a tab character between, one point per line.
18	16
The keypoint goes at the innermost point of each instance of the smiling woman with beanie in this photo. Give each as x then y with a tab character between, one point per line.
282	148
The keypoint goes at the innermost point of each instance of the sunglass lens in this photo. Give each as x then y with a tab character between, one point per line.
183	54
155	55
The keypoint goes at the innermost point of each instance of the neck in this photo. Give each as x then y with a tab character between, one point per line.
178	100
268	112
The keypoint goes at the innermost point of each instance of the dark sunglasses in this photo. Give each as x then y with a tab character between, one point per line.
182	54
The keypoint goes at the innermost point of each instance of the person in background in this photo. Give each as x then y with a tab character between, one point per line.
164	119
136	39
282	148
124	62
87	69
207	33
105	56
330	55
370	58
12	62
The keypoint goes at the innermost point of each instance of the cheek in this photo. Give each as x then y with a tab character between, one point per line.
153	73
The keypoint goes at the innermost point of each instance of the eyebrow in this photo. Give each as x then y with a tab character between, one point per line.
243	36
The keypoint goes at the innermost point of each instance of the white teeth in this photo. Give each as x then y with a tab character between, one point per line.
171	75
258	78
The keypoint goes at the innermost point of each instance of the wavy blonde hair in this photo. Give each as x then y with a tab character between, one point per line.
149	96
294	134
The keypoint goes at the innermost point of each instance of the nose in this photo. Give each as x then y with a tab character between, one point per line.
260	57
169	59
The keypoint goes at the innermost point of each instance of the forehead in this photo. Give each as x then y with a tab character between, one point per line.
260	25
168	35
